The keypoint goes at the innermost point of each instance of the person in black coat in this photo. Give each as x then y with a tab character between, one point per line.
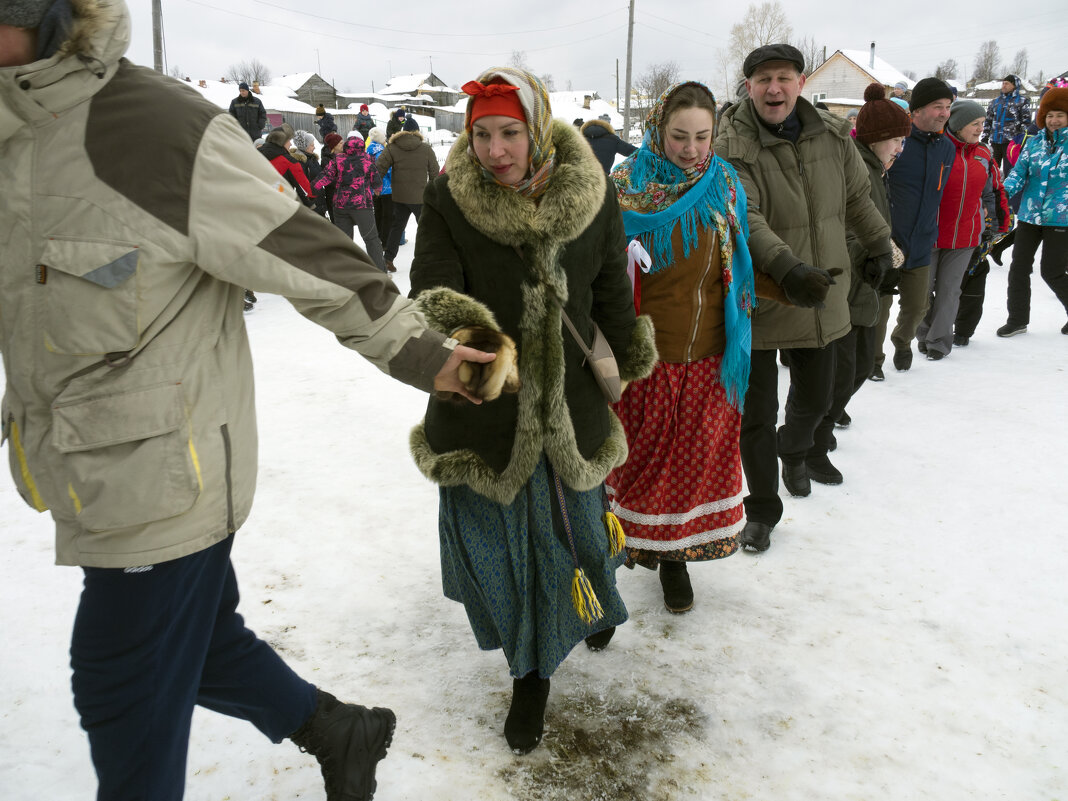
248	111
605	143
325	121
395	124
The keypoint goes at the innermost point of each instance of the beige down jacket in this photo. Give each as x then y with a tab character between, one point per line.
133	214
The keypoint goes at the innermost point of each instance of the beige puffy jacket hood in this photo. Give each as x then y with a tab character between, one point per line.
133	215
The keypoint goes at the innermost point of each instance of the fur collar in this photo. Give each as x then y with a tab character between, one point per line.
572	199
98	26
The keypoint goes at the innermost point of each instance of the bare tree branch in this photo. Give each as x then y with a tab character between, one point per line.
762	24
250	71
987	62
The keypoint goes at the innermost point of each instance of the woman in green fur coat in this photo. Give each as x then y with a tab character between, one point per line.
521	222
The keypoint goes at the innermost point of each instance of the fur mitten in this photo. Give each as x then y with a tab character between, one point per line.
489	380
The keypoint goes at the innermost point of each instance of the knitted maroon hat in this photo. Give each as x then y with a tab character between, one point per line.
331	140
880	118
1055	99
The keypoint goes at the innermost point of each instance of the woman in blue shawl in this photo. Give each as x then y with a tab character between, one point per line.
679	495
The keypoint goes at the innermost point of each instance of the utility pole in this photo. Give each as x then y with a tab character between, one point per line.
157	35
630	59
617	85
319	62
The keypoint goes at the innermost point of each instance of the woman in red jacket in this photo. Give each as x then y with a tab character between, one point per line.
276	151
973	204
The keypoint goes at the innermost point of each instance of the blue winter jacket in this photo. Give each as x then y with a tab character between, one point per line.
373	150
914	186
1041	173
1007	117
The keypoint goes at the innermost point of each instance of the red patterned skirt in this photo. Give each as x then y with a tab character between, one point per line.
679	494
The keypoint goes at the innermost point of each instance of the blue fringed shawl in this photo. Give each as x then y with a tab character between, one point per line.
716	200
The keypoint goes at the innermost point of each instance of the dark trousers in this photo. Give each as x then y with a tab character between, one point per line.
972	295
1053	267
401	211
811	383
999	149
384	214
148	646
853	360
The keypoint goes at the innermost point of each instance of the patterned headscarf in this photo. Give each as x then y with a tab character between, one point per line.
535	101
657	197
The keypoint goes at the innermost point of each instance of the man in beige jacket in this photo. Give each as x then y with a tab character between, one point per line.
128	411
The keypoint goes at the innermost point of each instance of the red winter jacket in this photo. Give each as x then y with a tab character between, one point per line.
288	168
974	191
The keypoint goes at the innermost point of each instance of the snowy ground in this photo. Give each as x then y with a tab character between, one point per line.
904	637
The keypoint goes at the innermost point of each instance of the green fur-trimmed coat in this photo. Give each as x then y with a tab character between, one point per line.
486	255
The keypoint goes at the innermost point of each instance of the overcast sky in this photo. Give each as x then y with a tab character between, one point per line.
355	44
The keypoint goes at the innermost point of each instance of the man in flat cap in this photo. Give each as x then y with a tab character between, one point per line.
805	183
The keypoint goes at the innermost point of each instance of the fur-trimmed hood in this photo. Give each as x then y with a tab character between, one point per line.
592	129
406	140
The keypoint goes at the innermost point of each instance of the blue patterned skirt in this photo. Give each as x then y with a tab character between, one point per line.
511	566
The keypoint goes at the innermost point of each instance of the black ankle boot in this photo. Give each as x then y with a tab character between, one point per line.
600	640
675	581
795	479
348	740
526	717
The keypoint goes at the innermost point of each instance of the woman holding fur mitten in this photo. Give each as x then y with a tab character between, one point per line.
521	224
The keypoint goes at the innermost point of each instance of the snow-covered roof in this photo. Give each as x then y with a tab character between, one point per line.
274	98
412	84
293	82
568	106
883	72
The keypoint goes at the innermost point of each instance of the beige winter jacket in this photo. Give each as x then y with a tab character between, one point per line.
132	216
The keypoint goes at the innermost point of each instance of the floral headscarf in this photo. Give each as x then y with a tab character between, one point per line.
535	101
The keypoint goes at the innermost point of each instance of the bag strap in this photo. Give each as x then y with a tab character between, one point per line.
573	330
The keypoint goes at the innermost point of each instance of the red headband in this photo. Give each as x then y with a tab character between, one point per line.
492	99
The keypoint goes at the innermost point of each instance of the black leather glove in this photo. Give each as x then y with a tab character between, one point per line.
489	380
888	286
807	286
876	267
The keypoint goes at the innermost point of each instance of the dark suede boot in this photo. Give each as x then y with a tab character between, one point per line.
675	581
819	468
526	716
600	640
348	740
795	479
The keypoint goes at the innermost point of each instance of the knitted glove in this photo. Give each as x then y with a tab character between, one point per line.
875	269
807	286
489	380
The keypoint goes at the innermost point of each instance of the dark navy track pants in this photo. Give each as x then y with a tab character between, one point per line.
148	645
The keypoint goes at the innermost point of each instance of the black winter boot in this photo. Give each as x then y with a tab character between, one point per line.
348	740
755	536
795	479
675	581
819	468
526	716
600	640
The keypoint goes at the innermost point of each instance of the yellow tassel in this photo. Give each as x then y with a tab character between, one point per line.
616	538
584	598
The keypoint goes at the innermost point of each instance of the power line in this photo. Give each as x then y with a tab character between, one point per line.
409	32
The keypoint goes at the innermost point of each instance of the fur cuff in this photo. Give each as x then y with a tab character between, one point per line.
641	354
447	310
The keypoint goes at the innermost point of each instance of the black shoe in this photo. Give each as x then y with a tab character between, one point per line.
921	346
348	740
877	374
249	306
600	640
526	716
843	420
960	341
250	296
903	359
390	268
755	536
795	478
820	469
834	443
675	581
1064	328
1011	330
935	355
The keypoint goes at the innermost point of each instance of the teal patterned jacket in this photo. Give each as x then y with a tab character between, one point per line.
1041	173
